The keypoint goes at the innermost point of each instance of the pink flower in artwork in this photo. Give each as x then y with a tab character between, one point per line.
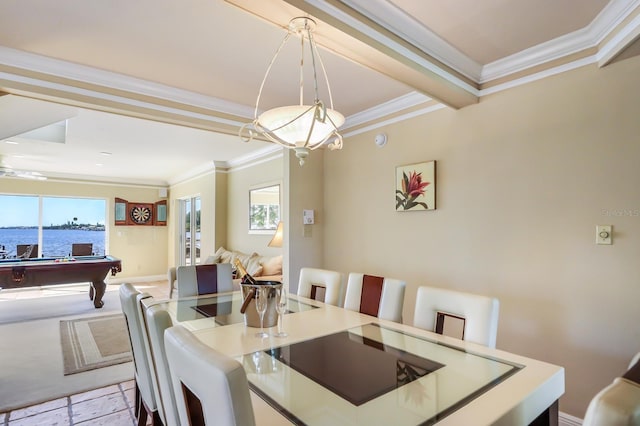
416	185
412	188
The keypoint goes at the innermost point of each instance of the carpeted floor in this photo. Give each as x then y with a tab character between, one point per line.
30	353
63	305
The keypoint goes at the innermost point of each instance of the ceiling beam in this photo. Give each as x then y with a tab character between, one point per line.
354	36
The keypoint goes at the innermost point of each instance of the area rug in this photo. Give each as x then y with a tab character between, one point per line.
94	342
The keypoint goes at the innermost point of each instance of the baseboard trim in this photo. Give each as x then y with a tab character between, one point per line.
565	419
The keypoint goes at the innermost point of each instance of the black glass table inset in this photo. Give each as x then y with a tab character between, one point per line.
354	367
215	309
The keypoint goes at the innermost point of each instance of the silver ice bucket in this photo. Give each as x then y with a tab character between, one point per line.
251	317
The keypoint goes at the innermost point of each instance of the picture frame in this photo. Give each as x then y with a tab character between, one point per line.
416	187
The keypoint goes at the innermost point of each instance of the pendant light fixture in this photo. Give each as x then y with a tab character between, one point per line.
301	127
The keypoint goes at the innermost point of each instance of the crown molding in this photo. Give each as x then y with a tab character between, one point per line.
110	80
249	160
619	42
135	103
405	26
409	100
536	55
590	36
393	120
539	75
82	179
257	157
193	173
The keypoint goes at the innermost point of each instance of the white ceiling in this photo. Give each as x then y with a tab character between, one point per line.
195	56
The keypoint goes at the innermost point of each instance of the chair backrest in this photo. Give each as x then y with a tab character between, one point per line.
313	281
635	361
474	316
27	251
129	299
172	278
204	279
157	321
81	249
617	404
378	296
210	388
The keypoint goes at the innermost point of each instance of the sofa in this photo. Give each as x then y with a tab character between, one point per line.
264	268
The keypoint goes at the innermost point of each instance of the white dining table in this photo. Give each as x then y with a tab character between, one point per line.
338	366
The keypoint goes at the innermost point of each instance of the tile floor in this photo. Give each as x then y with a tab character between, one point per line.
111	405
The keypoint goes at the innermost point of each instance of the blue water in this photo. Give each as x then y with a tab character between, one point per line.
55	242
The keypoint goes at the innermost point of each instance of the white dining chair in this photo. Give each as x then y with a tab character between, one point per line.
157	321
173	280
204	279
314	281
378	296
145	405
467	316
210	387
618	404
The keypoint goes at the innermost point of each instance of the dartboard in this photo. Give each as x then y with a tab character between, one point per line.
140	214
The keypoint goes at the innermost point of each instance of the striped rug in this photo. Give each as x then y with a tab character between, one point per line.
94	342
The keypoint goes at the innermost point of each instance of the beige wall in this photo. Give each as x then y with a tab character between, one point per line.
239	182
142	249
523	179
304	244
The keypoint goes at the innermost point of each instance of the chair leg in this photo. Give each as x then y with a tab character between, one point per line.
143	412
141	409
142	418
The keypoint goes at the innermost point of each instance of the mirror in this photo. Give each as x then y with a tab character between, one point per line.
264	208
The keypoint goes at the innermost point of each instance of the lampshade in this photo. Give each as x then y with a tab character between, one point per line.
300	127
276	241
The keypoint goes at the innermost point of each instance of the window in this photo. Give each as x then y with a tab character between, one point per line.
52	224
264	208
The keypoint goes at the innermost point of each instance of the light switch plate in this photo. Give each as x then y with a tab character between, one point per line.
307	217
603	234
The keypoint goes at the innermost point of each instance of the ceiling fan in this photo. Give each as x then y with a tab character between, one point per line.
8	171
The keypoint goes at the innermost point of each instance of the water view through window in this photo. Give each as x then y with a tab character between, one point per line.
53	223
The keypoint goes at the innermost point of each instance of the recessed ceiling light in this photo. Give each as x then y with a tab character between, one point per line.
105	153
11	142
99	164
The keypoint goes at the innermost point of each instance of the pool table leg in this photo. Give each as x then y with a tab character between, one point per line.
91	291
100	287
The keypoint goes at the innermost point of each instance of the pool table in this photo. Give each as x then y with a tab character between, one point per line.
19	273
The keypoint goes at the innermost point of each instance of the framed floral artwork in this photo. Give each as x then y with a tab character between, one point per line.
416	187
